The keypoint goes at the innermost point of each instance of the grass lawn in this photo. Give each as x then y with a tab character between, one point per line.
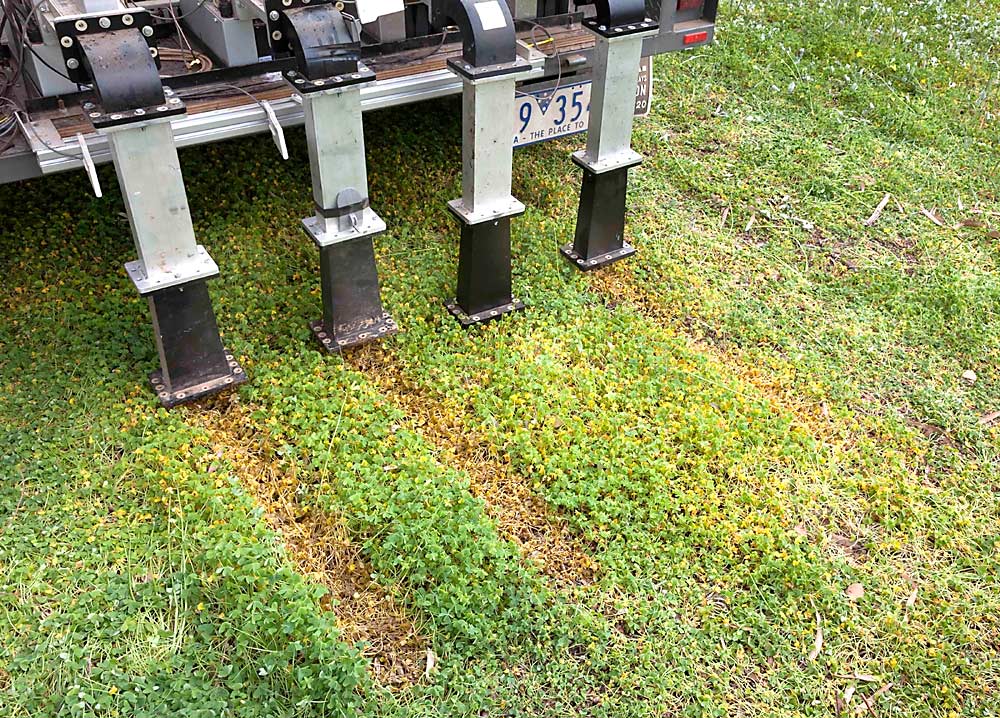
754	470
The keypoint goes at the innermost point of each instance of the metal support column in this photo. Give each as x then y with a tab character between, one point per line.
489	68
600	222
133	110
344	224
172	268
484	267
329	79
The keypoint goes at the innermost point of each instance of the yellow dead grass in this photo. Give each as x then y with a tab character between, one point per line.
520	515
319	546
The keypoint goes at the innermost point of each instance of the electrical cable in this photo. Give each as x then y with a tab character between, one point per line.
190	12
25	121
436	50
207	95
555	54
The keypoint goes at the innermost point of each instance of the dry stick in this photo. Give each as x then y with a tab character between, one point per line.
931	216
878	210
873	697
814	654
725	216
988	419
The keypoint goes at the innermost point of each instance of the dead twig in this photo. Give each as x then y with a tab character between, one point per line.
878	210
931	216
818	644
872	698
989	419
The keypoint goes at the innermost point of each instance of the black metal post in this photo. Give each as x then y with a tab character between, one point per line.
484	273
352	304
193	362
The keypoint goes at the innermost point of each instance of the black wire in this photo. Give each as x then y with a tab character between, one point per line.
26	122
555	54
26	43
192	11
436	50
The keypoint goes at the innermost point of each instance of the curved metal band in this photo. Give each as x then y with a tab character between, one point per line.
484	40
321	41
124	73
612	13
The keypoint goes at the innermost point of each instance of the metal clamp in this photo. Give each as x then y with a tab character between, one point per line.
488	37
316	34
70	29
616	13
126	79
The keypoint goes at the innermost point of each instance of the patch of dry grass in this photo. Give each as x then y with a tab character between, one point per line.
520	515
318	544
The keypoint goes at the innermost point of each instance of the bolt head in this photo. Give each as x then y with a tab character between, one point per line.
153	51
274	15
174	101
95	115
104	22
276	35
80	25
147	30
72	63
127	20
66	41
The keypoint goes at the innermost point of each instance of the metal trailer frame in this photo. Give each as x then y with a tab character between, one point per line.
316	54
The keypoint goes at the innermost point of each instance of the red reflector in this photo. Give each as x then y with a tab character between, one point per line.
696	37
683	5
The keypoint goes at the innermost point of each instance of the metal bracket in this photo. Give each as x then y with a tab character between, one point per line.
277	131
126	79
487	29
302	84
616	13
71	28
316	33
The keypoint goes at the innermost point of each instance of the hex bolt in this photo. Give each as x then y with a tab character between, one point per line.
174	101
72	63
126	20
274	15
80	25
66	41
140	111
95	115
147	30
104	22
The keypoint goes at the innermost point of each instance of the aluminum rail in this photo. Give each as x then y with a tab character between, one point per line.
249	119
